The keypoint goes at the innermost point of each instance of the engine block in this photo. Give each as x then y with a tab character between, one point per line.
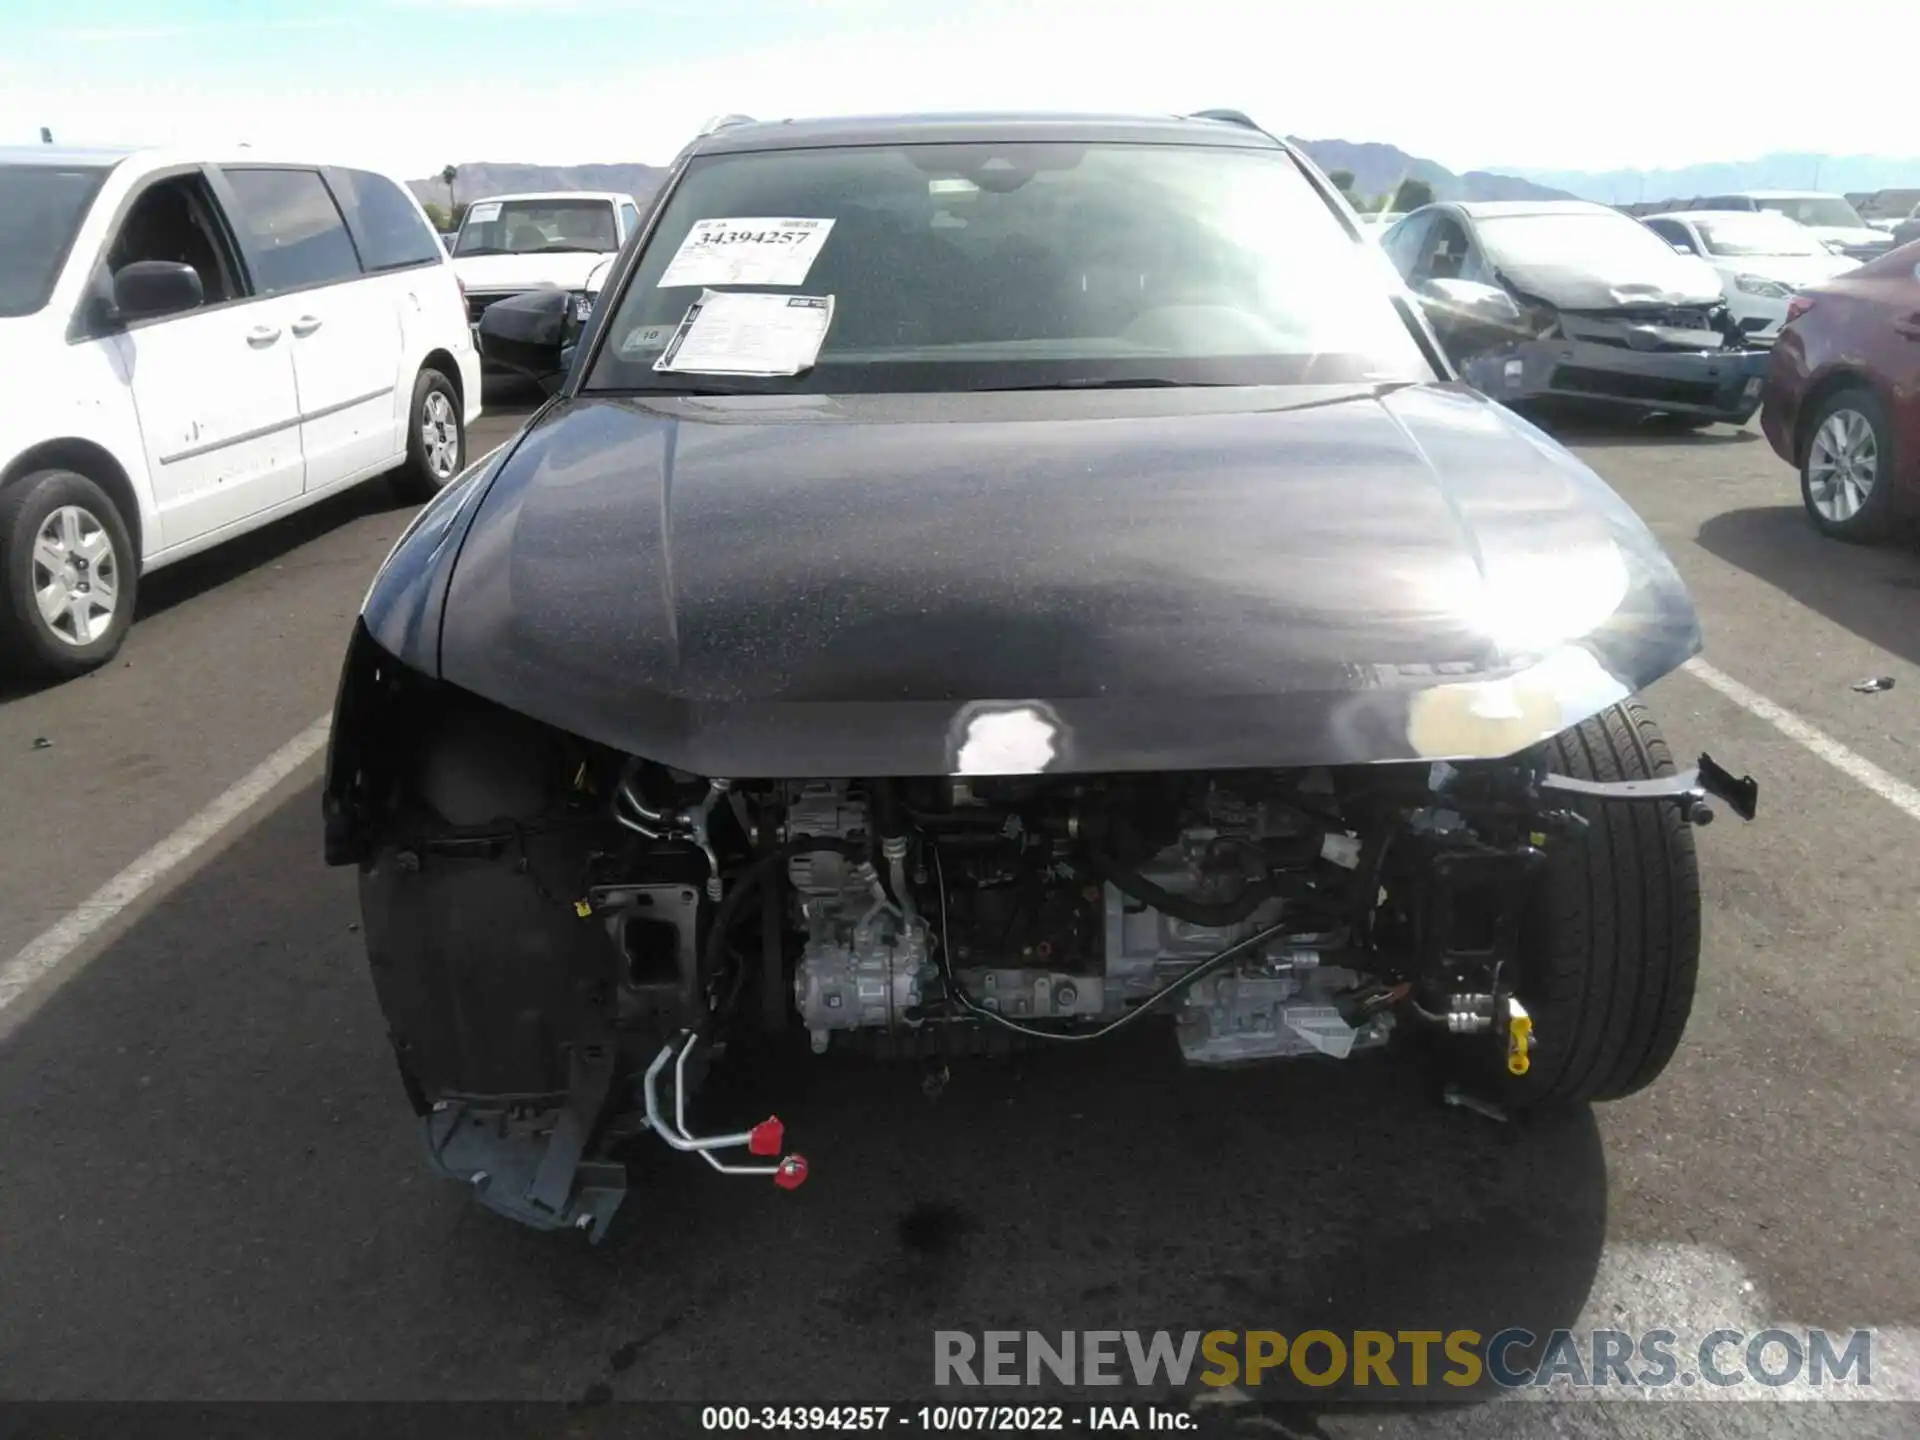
865	960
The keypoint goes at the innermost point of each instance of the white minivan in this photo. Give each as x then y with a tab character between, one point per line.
193	347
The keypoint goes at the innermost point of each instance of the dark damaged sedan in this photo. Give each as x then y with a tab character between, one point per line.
1572	303
990	582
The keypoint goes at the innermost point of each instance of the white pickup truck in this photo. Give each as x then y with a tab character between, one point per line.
510	244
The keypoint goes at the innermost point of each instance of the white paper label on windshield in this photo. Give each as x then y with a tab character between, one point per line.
728	333
483	212
760	250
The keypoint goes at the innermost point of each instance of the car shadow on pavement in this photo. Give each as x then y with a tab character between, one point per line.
1874	591
213	568
1603	431
218	1193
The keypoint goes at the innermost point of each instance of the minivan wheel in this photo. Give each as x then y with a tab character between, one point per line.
436	439
68	575
1846	472
1610	946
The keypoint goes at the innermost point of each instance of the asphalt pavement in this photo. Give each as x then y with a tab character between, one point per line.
210	1186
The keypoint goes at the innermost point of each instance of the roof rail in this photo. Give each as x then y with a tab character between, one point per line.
1230	117
721	122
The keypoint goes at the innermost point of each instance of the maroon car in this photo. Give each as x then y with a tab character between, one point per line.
1842	396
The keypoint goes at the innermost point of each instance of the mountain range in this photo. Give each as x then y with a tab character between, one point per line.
480	178
1840	174
1377	170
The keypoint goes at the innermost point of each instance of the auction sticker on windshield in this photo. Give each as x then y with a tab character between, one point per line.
733	334
485	211
758	250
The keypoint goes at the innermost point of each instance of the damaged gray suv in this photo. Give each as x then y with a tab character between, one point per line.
993	579
1568	303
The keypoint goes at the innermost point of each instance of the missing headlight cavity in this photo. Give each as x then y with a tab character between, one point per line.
651	948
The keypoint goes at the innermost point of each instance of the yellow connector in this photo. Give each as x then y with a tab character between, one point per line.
1519	1038
582	909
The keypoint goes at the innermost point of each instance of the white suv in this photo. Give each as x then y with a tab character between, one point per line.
511	244
194	347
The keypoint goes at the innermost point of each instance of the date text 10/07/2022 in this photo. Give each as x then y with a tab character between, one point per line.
943	1419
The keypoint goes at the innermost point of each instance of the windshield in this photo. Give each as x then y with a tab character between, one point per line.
1816	210
1027	265
527	227
40	209
1760	233
1600	242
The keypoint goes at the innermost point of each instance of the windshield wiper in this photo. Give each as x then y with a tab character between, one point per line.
478	250
567	250
681	392
1094	382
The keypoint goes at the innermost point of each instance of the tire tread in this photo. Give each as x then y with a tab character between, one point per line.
1616	943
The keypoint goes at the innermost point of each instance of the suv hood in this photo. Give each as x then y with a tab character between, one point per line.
963	584
1651	280
569	269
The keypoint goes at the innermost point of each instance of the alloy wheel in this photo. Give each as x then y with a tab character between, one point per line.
440	435
76	575
1842	464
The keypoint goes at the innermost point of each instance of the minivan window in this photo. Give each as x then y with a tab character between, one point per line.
41	207
391	232
630	217
298	236
1020	264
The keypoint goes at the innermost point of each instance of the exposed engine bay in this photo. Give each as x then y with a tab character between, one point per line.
562	936
1076	905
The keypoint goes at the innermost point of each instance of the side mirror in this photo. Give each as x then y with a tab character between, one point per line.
1470	302
528	334
148	289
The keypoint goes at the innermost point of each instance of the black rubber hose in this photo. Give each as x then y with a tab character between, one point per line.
886	808
1178	907
747	883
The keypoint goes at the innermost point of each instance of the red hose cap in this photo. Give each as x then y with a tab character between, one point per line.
767	1137
792	1172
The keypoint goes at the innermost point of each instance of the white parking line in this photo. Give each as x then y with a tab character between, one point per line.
44	953
1894	791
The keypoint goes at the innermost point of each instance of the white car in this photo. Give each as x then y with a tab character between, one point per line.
1375	223
1831	218
1763	259
510	244
194	346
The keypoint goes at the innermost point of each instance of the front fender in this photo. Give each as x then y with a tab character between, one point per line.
393	657
402	607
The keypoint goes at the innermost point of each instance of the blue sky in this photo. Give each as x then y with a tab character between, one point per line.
412	84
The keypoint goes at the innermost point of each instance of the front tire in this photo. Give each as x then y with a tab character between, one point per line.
1847	468
1610	948
69	576
436	440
